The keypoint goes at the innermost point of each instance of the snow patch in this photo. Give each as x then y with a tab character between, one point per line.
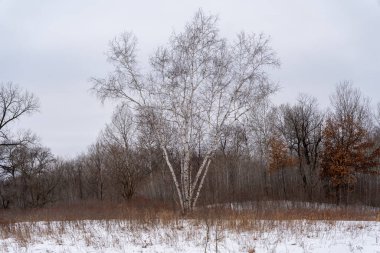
190	236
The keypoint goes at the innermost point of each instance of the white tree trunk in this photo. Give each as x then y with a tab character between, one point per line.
174	178
201	184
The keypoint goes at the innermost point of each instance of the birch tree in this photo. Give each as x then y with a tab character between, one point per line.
196	86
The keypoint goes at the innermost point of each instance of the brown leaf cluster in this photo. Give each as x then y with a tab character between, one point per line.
348	150
279	157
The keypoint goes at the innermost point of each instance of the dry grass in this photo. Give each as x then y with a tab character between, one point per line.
91	210
210	226
146	212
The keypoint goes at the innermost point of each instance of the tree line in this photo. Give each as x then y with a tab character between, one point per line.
198	127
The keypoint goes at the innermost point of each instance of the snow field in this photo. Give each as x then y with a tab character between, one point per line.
191	236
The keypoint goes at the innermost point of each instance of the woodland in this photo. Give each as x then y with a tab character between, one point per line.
198	128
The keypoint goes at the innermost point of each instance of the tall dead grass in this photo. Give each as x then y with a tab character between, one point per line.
149	212
209	225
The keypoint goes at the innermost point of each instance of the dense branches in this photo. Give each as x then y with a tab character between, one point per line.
301	127
14	103
348	148
198	126
199	84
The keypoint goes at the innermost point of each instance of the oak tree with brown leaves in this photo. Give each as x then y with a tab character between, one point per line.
348	147
279	157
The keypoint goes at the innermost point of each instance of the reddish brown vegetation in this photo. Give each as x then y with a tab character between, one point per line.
279	157
144	211
348	150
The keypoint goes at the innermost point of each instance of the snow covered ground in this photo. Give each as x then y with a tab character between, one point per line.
191	236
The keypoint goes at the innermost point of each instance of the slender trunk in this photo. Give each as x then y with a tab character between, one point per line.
338	194
283	183
188	190
201	183
186	180
80	184
179	193
265	176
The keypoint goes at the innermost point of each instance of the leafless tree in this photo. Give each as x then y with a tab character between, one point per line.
124	160
197	85
301	125
34	178
14	103
261	126
376	130
96	169
375	120
349	102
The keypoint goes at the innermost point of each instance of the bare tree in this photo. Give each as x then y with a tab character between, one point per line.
261	123
34	177
375	120
198	84
376	127
95	163
261	126
301	125
14	103
125	161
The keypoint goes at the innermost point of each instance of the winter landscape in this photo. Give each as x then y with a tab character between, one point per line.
202	126
121	236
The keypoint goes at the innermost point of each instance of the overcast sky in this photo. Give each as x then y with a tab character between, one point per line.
52	48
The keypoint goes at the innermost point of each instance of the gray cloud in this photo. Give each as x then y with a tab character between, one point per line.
52	48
